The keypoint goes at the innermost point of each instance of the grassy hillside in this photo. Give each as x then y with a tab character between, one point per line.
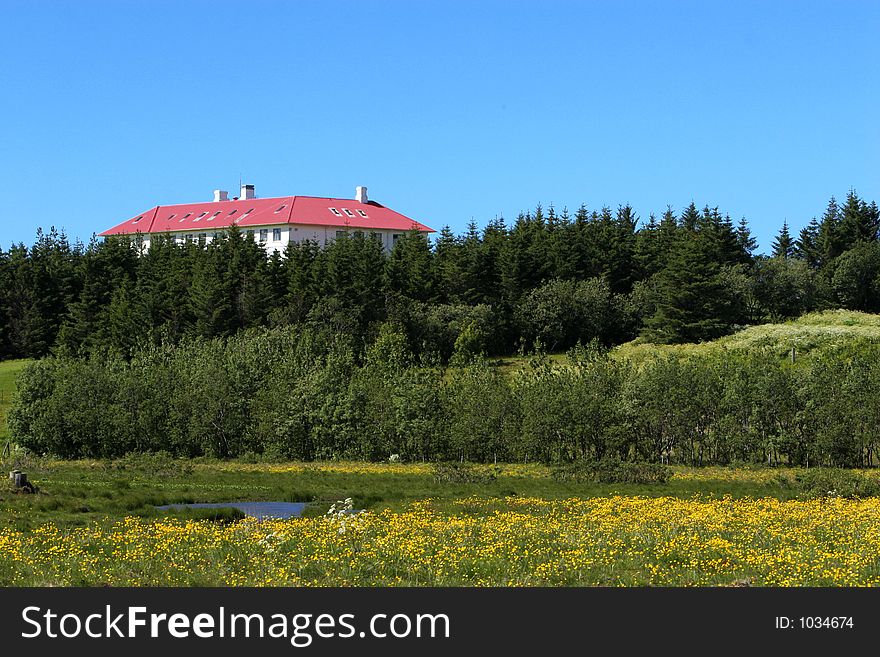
815	331
8	371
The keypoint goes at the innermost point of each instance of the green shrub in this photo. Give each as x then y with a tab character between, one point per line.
832	482
455	472
159	463
612	471
220	515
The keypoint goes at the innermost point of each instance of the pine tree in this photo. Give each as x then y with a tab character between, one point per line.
829	237
693	303
668	234
747	243
807	245
783	244
127	324
302	262
447	265
859	222
620	239
719	229
647	252
409	268
690	218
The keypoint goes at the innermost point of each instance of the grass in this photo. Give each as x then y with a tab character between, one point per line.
812	332
77	493
9	370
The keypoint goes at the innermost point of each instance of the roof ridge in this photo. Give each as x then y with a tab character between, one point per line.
153	218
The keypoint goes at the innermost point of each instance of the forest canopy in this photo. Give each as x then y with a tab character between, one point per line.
548	281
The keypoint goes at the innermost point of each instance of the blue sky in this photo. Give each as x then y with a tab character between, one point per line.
447	111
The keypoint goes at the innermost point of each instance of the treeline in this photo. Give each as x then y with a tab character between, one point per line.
305	394
550	279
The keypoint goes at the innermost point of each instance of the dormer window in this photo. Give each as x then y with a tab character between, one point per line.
137	220
280	209
362	213
348	212
336	212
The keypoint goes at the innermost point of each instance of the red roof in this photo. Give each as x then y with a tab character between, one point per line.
300	210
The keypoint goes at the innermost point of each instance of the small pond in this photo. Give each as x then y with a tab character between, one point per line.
258	510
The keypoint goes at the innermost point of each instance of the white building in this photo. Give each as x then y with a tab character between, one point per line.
273	222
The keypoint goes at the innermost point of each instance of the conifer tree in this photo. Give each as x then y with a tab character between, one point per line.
693	303
747	243
829	237
409	268
806	246
783	244
690	218
859	222
447	266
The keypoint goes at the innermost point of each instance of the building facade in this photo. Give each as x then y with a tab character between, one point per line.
273	222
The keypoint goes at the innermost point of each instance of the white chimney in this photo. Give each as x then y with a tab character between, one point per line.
360	194
220	195
247	191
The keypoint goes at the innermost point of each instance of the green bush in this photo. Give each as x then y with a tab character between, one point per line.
159	463
612	471
832	482
455	472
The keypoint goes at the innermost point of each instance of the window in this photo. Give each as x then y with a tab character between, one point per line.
264	234
336	212
276	234
213	216
137	220
203	237
201	215
348	212
250	234
340	233
358	233
187	215
395	237
280	209
233	212
376	236
362	213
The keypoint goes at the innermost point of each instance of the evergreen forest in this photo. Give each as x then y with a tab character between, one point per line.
547	282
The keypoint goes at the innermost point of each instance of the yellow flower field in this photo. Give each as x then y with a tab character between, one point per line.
617	541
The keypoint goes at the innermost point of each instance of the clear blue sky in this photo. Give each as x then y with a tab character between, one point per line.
446	111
